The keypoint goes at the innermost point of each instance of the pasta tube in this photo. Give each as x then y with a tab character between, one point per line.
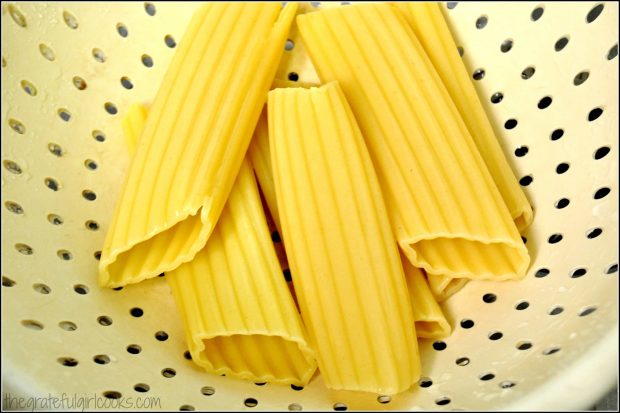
430	322
194	140
433	32
345	267
133	124
446	212
444	287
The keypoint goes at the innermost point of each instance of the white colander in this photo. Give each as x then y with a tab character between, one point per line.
69	72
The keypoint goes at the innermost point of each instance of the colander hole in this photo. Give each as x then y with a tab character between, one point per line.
507	384
467	323
295	407
537	13
439	345
52	184
262	383
117	288
70	20
168	373
64	255
112	395
462	361
594	13
561	43
315	3
340	407
41	288
55	149
126	82
528	72
136	312
134	349
581	77
562	203
68	361
497	97
24	249
207	391
521	151
187	355
522	305
442	401
187	408
104	320
489	298
384	399
613	268
81	289
292	76
275	237
523	345
551	350
90	164
147	60
557	134
601	152
556	310
98	136
47	52
250	402
587	311
67	325
98	55
170	42
17	126
32	325
92	225
142	387
89	195
495	335
150	9
425	382
593	233
110	108
506	45
54	219
79	83
28	87
101	359
545	102
97	255
562	167
289	45
3	62
122	30
451	4
510	124
481	22
478	74
7	282
161	336
297	388
17	15
595	114
460	50
602	193
14	207
555	238
578	272
287	275
12	167
486	376
613	52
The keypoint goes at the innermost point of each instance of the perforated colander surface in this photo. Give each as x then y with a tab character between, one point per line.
548	76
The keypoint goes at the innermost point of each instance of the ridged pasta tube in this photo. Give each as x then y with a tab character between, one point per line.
133	124
444	287
446	211
344	261
433	32
430	321
194	139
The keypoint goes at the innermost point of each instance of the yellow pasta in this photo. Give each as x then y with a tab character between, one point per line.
194	140
433	32
344	262
445	209
133	124
430	322
444	287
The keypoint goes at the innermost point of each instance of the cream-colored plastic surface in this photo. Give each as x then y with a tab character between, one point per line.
53	309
